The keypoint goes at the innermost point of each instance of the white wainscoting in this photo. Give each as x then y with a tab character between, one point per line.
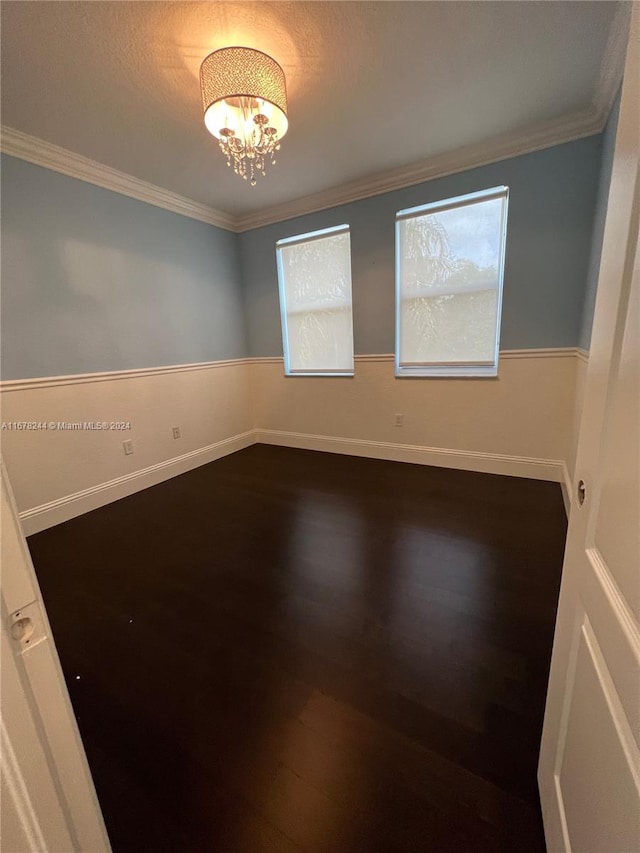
58	474
520	424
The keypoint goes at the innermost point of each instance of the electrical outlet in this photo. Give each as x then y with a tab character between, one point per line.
128	447
399	420
176	432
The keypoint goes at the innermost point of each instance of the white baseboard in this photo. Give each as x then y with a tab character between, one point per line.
55	512
465	460
63	509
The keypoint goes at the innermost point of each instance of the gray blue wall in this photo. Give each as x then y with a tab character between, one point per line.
552	197
606	164
94	281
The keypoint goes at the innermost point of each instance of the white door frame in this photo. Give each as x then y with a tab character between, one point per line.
49	804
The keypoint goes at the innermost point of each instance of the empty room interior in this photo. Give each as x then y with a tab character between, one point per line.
320	392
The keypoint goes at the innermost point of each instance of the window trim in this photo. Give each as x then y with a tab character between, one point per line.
286	242
449	369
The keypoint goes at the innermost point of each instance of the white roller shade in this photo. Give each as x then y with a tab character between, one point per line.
450	261
314	273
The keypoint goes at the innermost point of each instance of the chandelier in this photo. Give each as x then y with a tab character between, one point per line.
244	98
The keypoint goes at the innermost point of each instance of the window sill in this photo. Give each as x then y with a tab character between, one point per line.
321	374
446	373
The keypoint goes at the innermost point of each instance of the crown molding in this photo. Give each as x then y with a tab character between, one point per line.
534	138
540	136
42	153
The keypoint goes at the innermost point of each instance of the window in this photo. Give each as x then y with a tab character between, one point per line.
449	270
314	277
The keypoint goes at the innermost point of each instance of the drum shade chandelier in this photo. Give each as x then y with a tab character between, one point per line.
244	98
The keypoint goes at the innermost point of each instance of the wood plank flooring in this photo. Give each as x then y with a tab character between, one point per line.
294	651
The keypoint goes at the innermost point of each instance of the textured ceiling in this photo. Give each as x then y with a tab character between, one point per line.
371	85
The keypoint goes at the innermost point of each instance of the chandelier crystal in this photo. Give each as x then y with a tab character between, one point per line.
244	98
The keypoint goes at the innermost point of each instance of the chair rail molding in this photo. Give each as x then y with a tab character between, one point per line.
8	385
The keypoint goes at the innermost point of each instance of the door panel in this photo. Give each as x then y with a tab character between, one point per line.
617	633
589	772
32	816
597	783
617	531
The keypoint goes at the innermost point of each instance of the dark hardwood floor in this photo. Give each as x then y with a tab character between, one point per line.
287	650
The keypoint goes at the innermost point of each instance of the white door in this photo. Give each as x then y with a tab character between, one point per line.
48	803
589	772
